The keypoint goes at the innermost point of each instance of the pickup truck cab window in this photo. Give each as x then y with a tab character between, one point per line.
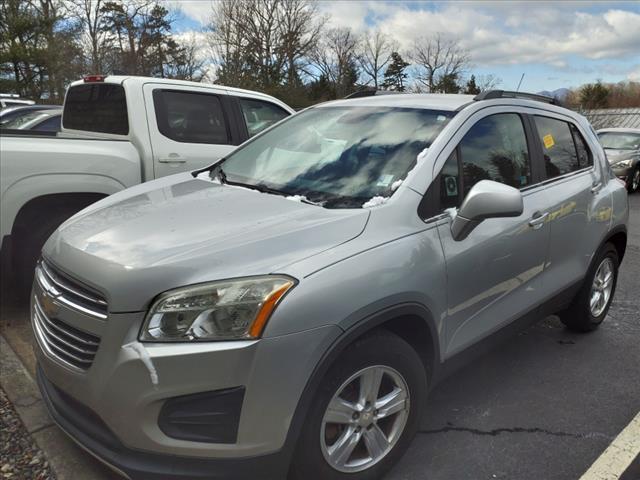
96	107
259	115
190	117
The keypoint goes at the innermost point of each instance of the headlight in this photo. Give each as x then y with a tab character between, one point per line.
623	164
225	310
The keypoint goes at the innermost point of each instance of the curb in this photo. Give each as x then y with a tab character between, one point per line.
67	461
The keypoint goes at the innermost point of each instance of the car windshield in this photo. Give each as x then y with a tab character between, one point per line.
22	120
338	157
620	140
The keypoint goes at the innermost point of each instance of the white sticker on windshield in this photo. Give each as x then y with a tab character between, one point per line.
384	180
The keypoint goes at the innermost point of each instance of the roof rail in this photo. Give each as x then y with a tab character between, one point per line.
370	92
491	94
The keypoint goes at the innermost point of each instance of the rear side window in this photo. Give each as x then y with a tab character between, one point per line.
495	148
190	117
585	159
259	115
558	143
51	124
96	107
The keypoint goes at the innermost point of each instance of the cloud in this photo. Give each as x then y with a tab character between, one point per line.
543	35
496	33
634	74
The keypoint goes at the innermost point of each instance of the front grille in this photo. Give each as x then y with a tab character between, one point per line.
69	344
71	293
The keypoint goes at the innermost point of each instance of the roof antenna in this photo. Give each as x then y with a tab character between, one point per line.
520	83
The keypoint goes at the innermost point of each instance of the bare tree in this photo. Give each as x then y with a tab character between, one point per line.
488	82
88	11
437	57
375	55
263	44
335	60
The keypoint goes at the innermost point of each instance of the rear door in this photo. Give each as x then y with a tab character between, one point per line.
189	127
580	202
494	275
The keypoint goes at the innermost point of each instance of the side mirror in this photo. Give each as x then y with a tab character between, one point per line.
487	199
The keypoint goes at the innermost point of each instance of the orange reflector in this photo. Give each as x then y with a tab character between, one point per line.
267	308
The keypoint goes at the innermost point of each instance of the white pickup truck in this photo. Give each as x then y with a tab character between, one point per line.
117	131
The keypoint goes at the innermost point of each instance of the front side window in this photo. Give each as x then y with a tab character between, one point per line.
190	117
339	157
495	149
558	147
259	115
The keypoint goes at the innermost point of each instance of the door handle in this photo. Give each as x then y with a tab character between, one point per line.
538	220
596	187
172	158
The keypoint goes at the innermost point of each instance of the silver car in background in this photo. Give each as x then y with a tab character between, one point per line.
285	311
622	146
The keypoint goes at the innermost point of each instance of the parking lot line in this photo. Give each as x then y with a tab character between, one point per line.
618	456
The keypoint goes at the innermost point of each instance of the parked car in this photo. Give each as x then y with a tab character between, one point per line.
117	132
47	120
9	114
286	310
622	146
8	100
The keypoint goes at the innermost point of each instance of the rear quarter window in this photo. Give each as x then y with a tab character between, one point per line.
96	107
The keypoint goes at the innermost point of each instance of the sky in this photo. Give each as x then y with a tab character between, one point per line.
561	44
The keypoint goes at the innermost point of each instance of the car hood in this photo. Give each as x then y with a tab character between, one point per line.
167	234
615	155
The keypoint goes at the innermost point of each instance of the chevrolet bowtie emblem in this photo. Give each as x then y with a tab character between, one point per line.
48	305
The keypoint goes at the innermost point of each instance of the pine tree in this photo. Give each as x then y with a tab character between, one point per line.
395	75
471	87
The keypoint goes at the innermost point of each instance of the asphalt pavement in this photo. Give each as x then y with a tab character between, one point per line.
544	404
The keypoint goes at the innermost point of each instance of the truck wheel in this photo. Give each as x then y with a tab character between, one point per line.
365	412
591	304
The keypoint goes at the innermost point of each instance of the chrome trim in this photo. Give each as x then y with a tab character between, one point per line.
55	278
57	341
51	324
62	290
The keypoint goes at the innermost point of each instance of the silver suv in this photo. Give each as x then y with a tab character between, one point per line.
285	311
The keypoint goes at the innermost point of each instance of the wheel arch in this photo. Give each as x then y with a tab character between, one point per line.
412	322
617	237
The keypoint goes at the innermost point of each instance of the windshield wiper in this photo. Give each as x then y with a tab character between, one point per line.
210	168
262	188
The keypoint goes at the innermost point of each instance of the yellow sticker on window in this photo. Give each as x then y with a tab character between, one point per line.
548	141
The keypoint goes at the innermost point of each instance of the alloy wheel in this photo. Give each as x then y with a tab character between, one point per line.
364	419
602	287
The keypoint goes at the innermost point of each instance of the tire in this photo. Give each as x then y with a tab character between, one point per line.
634	182
400	367
580	316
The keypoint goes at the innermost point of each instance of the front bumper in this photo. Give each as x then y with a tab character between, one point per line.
126	385
623	173
92	434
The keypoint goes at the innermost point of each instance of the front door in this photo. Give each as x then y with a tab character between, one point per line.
188	126
495	274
